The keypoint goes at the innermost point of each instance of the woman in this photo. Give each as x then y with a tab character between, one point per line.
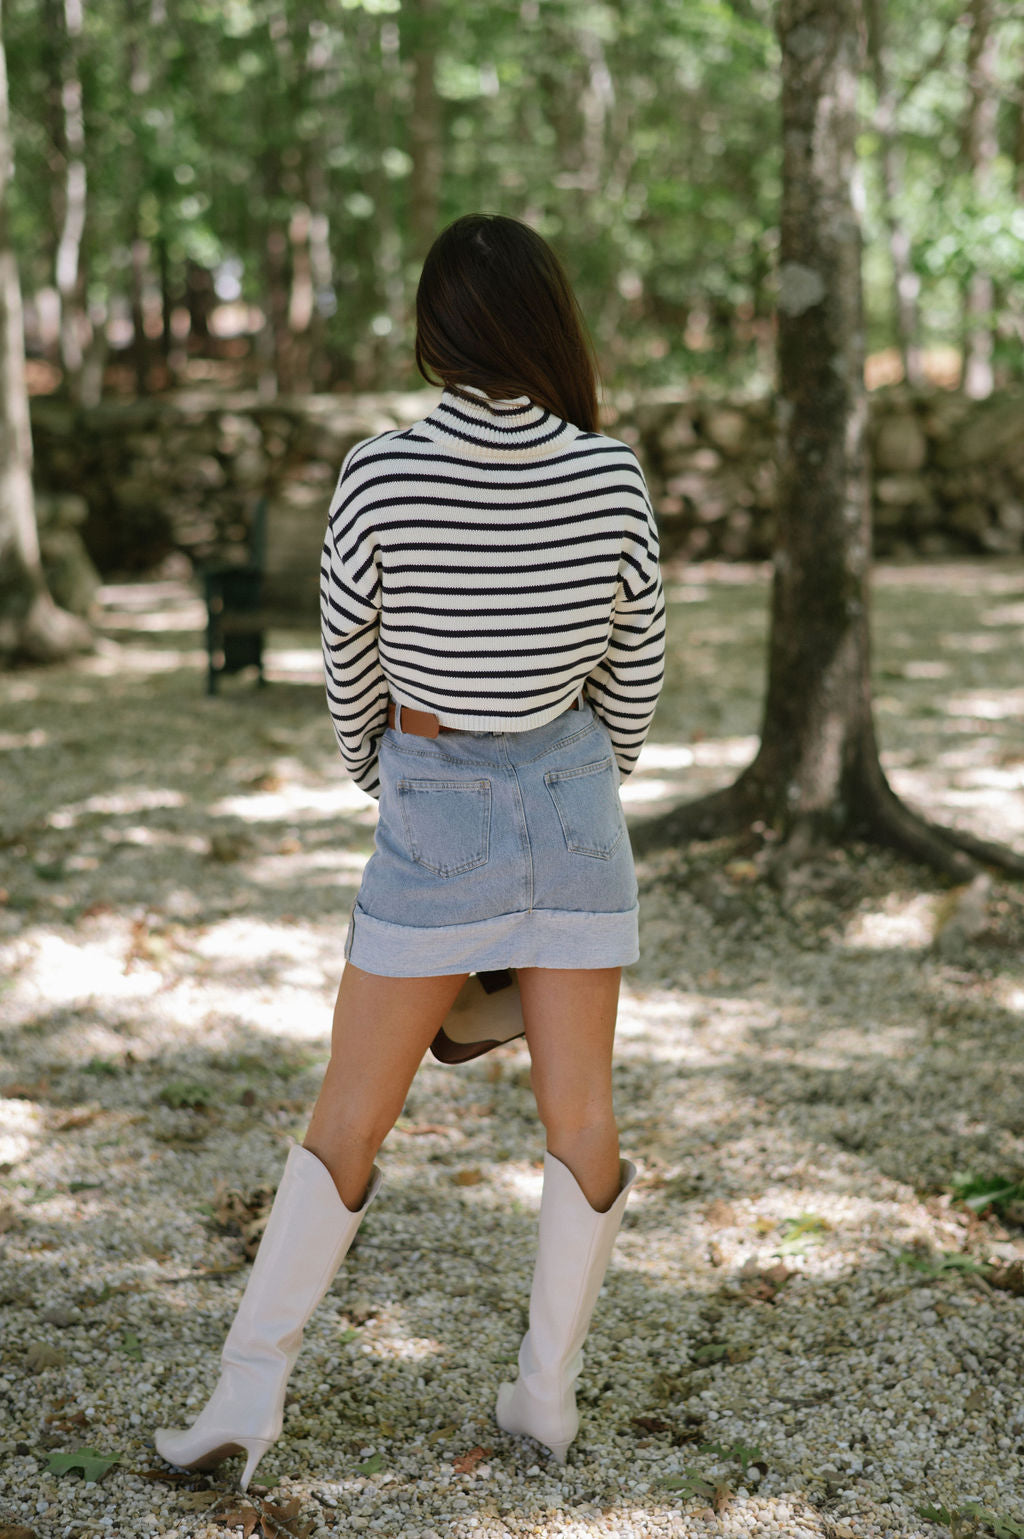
493	628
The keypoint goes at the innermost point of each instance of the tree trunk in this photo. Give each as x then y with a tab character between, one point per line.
69	276
818	737
817	778
905	283
31	625
981	147
425	139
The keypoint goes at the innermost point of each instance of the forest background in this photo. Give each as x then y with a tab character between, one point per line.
242	192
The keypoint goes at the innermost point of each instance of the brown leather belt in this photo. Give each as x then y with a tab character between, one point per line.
426	724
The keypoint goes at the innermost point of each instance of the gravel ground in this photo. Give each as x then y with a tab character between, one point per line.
805	1329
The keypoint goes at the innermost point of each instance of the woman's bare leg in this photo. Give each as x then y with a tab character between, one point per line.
570	1028
382	1028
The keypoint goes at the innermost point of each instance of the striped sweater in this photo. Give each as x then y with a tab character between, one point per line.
487	564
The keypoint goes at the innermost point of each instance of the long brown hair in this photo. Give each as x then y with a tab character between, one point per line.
495	309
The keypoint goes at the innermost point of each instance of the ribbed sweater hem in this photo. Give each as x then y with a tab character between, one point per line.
463	722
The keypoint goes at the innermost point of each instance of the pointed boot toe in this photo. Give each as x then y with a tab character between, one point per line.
184	1448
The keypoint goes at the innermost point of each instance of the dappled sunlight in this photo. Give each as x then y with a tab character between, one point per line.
186	615
11	742
1006	614
48	969
293	665
292	801
246	940
996	804
926	668
988	705
130	799
21	1122
964	578
396	1346
646	791
338	869
171	949
980	646
904	921
117	659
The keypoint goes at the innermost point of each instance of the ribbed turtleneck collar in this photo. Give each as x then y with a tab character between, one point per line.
481	425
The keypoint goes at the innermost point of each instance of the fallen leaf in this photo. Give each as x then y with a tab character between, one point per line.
40	1356
245	1518
464	1464
269	780
82	1118
721	1214
374	1463
92	1464
650	1424
1009	1277
23	1091
722	1497
60	1423
229	847
284	1520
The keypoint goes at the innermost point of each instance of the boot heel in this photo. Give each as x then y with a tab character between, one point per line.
255	1448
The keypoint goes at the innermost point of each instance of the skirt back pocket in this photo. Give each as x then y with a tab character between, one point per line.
447	823
587	802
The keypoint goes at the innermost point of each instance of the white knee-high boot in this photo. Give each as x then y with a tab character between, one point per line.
573	1249
307	1236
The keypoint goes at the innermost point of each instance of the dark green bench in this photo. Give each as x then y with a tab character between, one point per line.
277	585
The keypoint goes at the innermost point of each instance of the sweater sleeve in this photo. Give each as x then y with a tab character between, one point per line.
350	591
625	685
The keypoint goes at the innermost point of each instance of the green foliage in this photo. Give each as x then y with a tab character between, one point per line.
642	139
972	1518
692	1483
942	1264
983	1192
798	1233
102	1068
181	1093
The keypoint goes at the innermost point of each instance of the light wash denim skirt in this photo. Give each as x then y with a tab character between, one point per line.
498	849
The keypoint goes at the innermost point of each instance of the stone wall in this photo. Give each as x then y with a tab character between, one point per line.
181	473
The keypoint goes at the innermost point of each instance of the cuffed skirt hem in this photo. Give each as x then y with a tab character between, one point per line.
533	938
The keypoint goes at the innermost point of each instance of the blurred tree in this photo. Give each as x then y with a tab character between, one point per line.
31	625
906	284
816	778
981	147
299	159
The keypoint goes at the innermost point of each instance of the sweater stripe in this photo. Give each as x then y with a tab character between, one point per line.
447	610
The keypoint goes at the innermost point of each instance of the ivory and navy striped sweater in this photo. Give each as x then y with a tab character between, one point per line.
486	564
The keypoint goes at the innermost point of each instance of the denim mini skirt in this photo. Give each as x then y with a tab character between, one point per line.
498	849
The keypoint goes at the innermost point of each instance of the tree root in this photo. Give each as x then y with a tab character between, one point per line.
720	813
879	816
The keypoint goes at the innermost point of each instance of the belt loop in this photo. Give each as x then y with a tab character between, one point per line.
398	717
